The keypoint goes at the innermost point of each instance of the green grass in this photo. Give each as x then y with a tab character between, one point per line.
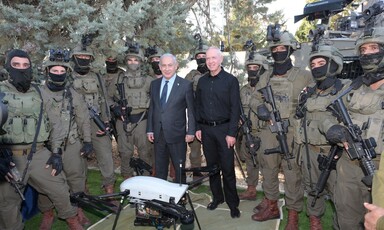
94	186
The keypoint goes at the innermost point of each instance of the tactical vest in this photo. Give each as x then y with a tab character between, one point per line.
367	111
136	91
23	116
286	91
60	110
88	86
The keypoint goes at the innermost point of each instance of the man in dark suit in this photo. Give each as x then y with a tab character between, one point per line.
171	121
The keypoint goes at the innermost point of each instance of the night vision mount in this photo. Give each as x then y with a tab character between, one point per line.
251	47
273	32
60	55
150	51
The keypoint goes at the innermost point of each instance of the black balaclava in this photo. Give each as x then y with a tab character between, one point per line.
283	62
373	69
111	66
254	76
201	65
325	75
20	78
156	67
56	82
82	66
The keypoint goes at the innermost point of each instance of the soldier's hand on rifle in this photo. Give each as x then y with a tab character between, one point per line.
263	113
86	150
56	161
100	132
338	134
5	169
117	111
230	141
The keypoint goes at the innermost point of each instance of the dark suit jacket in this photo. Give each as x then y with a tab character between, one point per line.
173	118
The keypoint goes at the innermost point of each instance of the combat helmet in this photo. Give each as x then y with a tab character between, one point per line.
254	58
153	51
58	57
282	39
201	49
83	50
332	54
373	62
135	51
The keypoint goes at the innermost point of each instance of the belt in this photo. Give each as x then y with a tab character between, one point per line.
20	150
135	118
214	123
320	148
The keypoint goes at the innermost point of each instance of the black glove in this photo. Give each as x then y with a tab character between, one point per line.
337	134
263	113
86	150
4	168
116	110
56	161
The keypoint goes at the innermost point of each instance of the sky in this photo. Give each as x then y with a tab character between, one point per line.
290	9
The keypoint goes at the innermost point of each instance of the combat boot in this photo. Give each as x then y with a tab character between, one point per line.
271	211
83	220
73	223
47	221
261	206
315	223
249	194
293	220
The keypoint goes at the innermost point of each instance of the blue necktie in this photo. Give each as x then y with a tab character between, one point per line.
163	98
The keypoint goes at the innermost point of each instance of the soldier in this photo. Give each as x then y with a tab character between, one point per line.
194	76
256	65
27	128
91	86
287	82
325	63
365	105
153	58
132	125
68	113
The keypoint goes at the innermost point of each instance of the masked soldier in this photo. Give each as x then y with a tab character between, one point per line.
131	120
194	76
27	128
91	86
325	63
153	58
365	105
256	65
286	82
68	113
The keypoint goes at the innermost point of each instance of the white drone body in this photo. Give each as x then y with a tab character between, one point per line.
152	188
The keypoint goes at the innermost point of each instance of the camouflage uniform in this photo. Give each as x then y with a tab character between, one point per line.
134	133
23	113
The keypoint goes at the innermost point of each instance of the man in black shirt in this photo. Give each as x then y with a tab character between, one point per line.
218	114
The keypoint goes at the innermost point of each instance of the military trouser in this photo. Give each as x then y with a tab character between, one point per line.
270	168
102	146
195	153
350	194
55	187
311	175
75	171
252	171
127	143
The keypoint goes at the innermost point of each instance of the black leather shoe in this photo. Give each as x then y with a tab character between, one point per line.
235	213
213	205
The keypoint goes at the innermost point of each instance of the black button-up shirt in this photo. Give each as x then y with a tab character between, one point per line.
218	99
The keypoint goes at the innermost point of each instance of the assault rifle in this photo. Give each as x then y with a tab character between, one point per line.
140	166
358	148
252	143
16	180
278	126
99	122
125	110
326	165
